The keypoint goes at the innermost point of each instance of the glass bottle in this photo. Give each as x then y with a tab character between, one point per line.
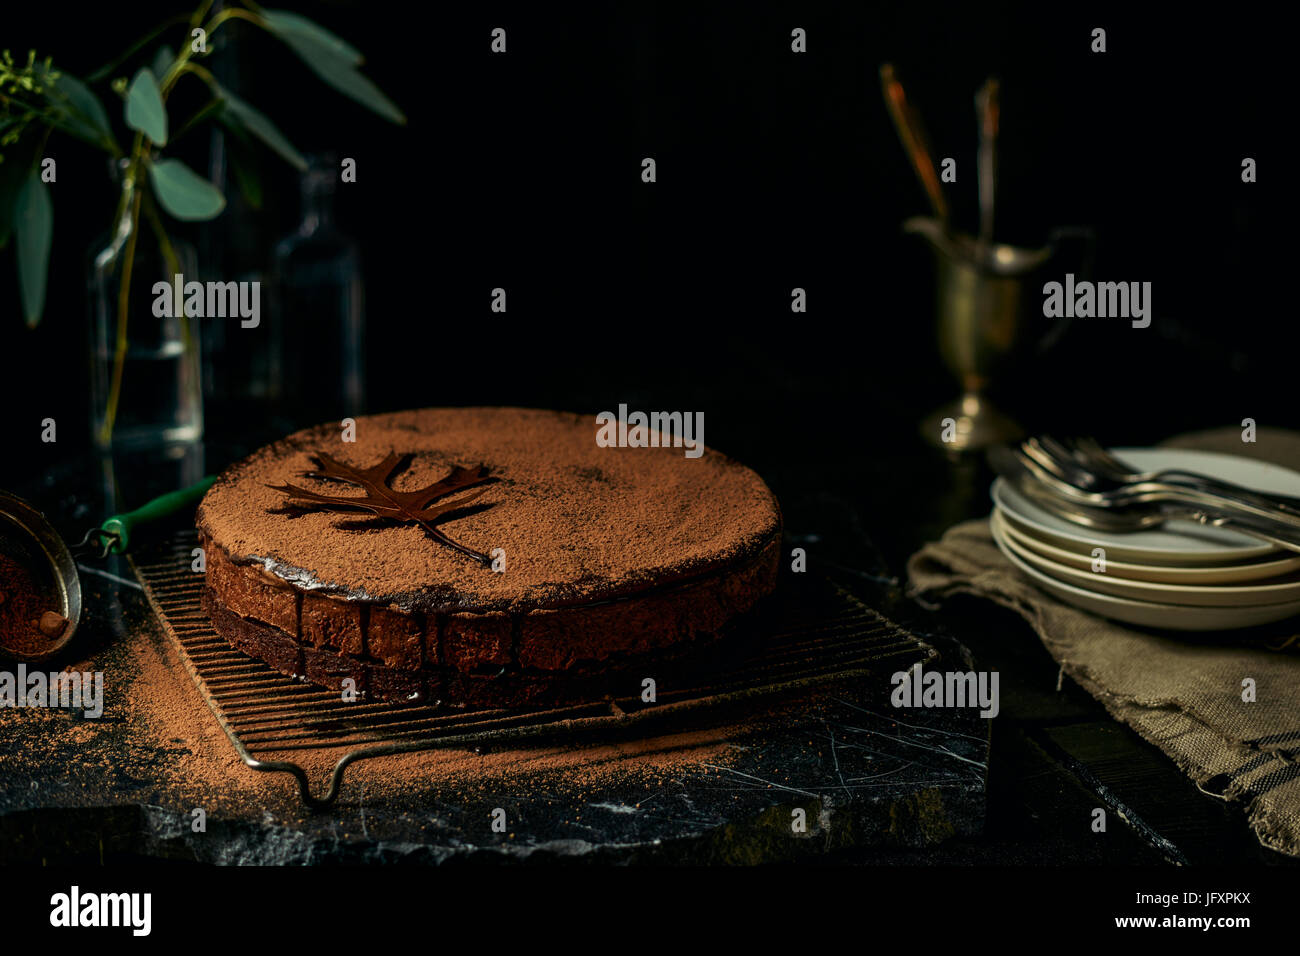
319	312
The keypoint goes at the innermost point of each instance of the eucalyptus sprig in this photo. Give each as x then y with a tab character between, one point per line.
36	100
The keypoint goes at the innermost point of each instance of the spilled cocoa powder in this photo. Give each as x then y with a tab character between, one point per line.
159	743
571	768
29	626
202	765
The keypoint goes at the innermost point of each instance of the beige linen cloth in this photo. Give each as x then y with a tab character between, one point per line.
1183	693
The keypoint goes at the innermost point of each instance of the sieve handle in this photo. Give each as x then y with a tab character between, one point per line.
120	527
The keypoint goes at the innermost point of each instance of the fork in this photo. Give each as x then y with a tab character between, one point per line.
1126	522
1095	461
1136	507
1053	465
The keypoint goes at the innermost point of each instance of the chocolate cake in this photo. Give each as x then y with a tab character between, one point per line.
539	567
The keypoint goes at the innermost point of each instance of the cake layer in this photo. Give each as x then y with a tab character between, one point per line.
487	660
486	642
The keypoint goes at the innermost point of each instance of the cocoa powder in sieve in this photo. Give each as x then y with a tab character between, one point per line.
27	624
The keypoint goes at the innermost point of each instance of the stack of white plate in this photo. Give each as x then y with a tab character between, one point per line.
1181	575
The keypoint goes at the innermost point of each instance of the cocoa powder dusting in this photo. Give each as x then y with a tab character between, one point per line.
184	750
574	768
573	518
157	731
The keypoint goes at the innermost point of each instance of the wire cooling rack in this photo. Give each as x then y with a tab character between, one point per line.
812	634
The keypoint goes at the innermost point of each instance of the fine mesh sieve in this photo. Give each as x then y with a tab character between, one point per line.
31	542
51	582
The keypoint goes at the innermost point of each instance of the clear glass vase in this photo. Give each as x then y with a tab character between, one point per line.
146	389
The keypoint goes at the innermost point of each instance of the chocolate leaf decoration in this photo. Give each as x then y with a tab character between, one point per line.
380	498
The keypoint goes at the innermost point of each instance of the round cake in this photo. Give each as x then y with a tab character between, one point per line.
485	557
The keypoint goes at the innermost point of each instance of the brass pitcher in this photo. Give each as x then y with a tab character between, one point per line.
987	311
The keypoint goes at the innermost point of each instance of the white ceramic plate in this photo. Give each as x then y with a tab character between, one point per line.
1213	595
1178	543
1149	614
1251	571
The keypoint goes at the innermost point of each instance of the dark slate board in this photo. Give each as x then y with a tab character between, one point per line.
864	774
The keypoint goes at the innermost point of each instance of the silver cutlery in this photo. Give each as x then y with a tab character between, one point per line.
1061	461
1135	510
1128	521
1060	477
1091	454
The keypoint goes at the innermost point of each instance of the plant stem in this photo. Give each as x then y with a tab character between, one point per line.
180	65
213	105
27	108
197	17
123	295
134	183
201	73
234	13
173	266
140	44
174	72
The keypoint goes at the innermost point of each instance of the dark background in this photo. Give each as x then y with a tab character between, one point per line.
775	170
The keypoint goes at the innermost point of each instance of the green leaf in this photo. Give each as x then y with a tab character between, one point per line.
84	115
145	112
261	127
338	71
283	24
13	175
162	60
33	228
184	193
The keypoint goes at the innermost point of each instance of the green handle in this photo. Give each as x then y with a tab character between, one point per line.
121	526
